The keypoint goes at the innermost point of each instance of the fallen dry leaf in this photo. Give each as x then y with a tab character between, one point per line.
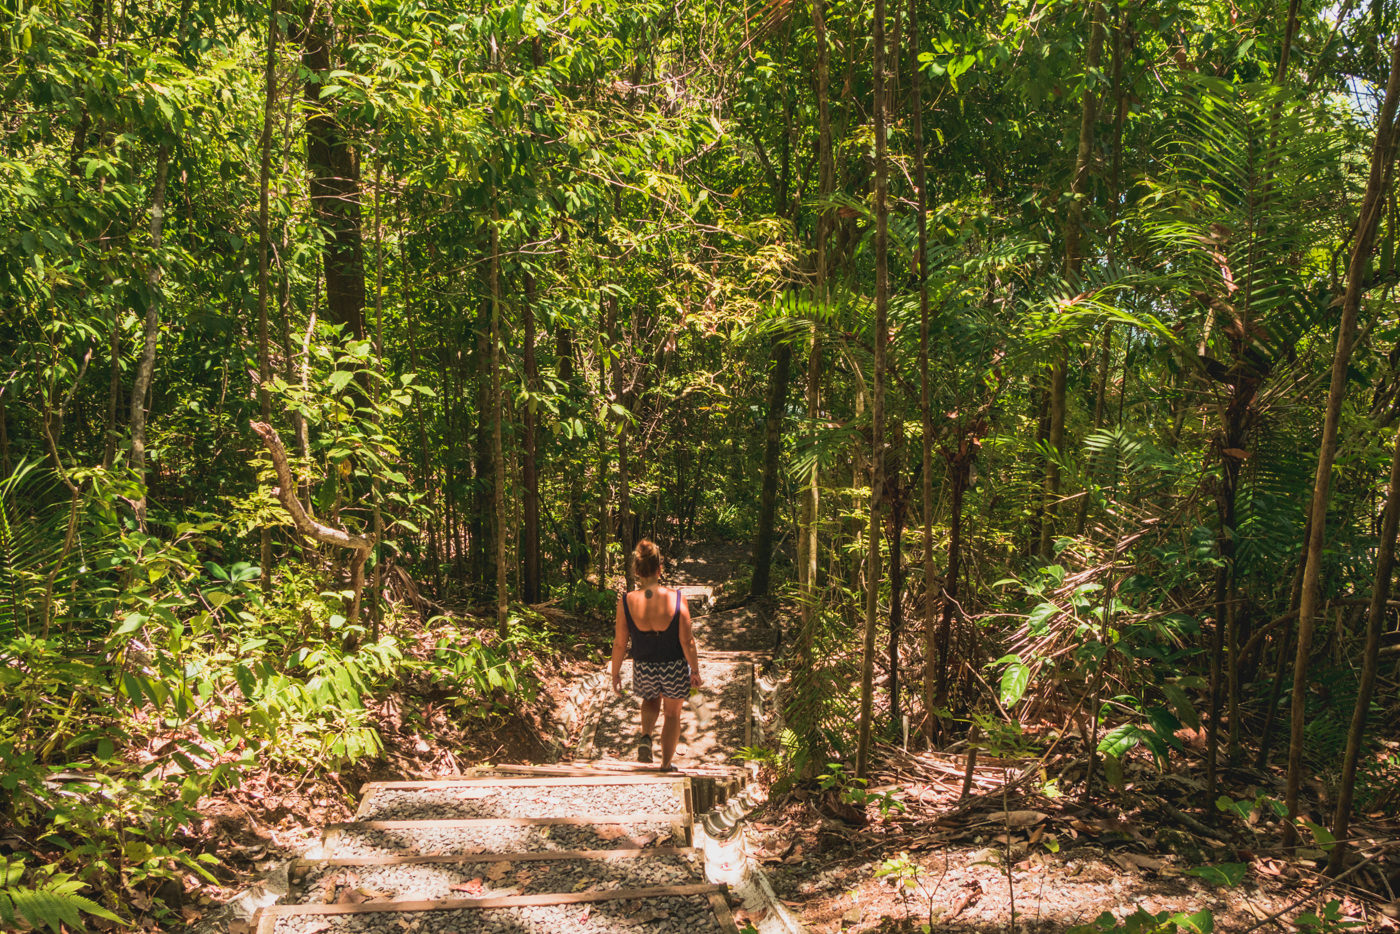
498	871
471	887
1024	818
966	900
1137	861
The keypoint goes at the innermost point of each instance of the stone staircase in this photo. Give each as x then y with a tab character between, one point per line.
595	843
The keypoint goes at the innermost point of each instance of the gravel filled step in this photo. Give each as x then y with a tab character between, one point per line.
334	882
692	909
522	797
520	835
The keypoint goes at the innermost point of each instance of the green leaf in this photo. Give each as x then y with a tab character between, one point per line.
1225	875
1014	681
338	380
134	621
1185	710
1119	740
1198	922
1038	622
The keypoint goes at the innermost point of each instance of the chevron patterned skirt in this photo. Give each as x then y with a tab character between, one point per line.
650	679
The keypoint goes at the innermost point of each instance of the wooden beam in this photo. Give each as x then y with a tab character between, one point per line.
635	817
267	917
720	904
655	778
298	865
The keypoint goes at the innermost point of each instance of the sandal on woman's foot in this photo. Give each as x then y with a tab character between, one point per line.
644	750
667	768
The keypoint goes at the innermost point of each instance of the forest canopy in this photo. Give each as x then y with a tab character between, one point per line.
1046	353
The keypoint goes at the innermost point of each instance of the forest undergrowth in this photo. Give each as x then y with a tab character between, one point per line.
179	785
1034	814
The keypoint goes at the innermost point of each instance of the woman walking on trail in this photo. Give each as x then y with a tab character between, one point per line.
665	664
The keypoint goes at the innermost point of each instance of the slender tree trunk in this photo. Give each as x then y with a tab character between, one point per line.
1285	649
498	480
146	364
932	645
1370	664
1290	28
604	487
1074	259
425	475
97	13
1382	153
897	497
264	177
811	511
376	607
335	180
624	504
114	393
482	528
772	447
5	466
531	543
877	453
960	466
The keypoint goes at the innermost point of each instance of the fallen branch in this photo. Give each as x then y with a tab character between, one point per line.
307	525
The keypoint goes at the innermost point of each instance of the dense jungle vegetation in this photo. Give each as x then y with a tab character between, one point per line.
1047	351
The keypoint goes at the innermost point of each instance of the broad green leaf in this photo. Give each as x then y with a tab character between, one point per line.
1014	681
1222	874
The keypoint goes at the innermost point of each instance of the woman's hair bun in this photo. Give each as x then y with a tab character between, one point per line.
646	558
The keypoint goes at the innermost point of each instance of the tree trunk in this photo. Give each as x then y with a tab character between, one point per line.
1074	259
530	545
482	526
5	466
97	16
772	448
145	366
811	500
877	443
264	176
335	180
898	501
1370	663
114	393
960	467
425	477
1382	153
932	675
624	505
498	479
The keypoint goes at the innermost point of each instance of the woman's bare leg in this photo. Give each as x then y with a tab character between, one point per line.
651	706
671	729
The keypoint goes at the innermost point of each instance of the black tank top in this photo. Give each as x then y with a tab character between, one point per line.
663	646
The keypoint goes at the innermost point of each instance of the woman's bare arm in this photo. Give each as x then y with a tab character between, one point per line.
619	649
692	653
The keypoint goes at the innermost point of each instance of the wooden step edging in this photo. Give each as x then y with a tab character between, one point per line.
267	917
298	865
